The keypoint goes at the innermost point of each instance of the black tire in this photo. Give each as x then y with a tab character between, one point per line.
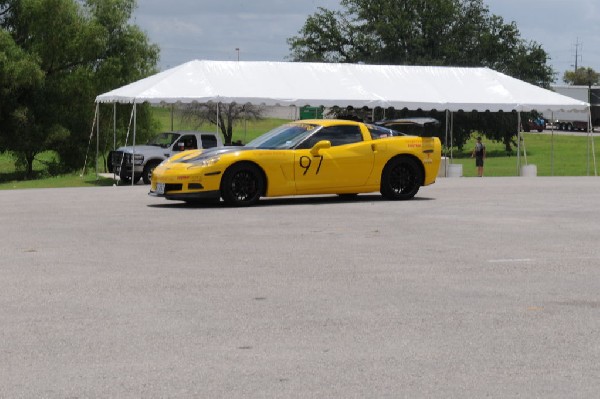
242	185
401	179
126	179
147	175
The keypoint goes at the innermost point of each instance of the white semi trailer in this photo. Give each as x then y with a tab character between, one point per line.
573	121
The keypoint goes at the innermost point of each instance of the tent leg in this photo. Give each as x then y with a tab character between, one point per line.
133	152
451	136
446	141
518	143
552	147
591	143
245	124
97	138
217	117
114	136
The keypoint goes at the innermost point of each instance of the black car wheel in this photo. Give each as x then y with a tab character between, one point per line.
401	179
148	169
126	179
242	185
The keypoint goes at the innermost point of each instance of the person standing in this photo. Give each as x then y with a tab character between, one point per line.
479	154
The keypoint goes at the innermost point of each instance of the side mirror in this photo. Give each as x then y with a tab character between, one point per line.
320	145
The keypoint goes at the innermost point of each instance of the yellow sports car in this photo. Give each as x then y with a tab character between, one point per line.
301	158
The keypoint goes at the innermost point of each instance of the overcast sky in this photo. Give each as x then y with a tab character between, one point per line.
212	30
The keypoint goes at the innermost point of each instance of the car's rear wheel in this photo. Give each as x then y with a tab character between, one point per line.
242	185
401	179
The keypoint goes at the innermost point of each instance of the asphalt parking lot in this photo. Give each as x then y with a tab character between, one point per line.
476	288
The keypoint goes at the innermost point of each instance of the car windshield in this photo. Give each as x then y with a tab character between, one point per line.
164	140
284	137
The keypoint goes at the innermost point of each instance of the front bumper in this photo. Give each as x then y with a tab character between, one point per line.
179	196
184	186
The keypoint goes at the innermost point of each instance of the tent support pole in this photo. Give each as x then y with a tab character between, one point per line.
245	124
552	147
114	126
591	142
97	138
446	141
451	136
133	152
519	143
114	136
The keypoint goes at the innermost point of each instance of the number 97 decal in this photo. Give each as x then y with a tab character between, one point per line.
306	163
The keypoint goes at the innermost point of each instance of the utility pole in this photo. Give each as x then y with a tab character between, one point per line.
577	44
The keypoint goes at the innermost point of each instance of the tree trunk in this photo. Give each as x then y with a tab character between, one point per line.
29	157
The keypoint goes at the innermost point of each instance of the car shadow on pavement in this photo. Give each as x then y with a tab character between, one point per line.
286	201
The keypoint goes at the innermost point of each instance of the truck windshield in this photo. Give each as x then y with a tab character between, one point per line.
164	140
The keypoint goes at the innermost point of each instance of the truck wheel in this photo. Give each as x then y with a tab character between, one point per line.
242	185
401	179
126	179
148	169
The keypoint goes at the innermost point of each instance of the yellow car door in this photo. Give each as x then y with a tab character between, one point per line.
336	157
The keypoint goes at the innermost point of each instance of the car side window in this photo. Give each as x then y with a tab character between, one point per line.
208	141
189	142
337	135
379	132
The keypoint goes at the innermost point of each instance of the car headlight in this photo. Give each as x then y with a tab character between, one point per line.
205	162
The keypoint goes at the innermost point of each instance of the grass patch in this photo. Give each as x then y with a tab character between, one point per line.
561	155
68	180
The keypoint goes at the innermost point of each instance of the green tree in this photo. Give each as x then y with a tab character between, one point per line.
582	77
79	49
433	32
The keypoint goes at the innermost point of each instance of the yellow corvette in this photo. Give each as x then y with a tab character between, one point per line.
301	158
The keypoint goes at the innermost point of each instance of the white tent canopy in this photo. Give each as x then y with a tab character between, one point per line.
358	85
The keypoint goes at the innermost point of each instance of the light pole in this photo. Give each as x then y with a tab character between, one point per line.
237	49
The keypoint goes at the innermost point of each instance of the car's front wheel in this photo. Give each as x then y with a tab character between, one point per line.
242	185
401	179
